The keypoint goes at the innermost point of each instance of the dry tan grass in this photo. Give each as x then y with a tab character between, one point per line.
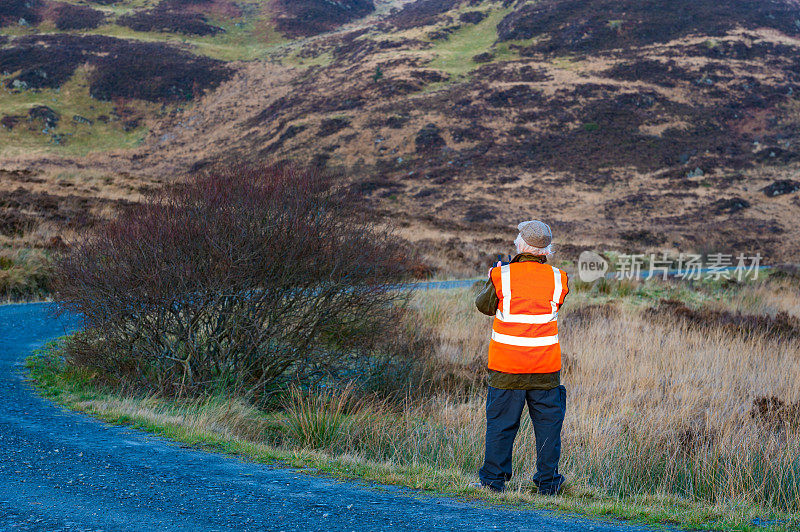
653	409
764	298
232	419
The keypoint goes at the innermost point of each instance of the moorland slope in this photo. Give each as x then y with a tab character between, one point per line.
632	125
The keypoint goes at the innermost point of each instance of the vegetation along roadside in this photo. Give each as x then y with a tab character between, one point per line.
205	327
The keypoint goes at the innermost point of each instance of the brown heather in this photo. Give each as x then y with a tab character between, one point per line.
657	126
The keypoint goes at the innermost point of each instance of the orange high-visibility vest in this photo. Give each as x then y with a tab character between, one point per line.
525	329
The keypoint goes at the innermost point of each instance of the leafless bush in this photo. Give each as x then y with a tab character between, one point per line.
246	279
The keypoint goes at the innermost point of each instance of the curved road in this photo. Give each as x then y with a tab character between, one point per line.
61	470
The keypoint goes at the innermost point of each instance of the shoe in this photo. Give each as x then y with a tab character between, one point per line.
562	488
481	486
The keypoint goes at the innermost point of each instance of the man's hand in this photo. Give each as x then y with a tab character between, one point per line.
489	275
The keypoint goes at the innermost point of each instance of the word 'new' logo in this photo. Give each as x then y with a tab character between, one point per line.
591	266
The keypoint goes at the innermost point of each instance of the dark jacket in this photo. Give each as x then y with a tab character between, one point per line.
487	302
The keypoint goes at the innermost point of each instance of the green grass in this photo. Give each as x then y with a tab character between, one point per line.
294	59
242	40
565	63
127	4
638	293
454	55
69	136
276	438
249	37
503	51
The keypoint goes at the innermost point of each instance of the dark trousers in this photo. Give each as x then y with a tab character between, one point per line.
503	414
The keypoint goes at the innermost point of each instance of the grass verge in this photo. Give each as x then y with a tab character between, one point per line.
231	426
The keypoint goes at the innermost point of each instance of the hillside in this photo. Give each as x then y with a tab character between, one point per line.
631	125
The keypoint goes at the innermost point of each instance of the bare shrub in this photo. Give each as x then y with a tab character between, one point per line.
246	279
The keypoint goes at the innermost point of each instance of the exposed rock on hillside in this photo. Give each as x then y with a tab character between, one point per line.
45	115
18	12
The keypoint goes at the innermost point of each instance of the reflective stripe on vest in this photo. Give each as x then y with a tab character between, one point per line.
523	341
533	319
526	341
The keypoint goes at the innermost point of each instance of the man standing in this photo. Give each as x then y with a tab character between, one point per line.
524	297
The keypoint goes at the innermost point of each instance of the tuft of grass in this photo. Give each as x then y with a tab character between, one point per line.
24	275
317	419
296	58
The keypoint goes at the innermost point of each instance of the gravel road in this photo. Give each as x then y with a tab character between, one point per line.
65	471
